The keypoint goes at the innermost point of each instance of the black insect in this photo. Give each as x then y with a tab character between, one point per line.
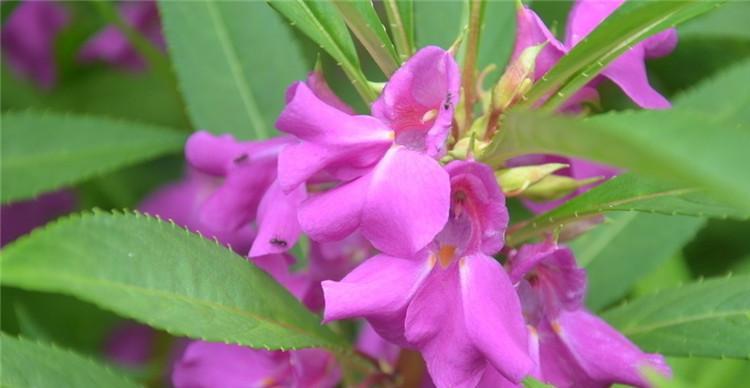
278	242
447	103
241	158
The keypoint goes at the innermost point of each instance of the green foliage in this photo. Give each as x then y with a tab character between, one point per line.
704	319
401	20
162	275
46	151
324	25
233	60
671	144
626	27
627	247
498	36
627	192
61	319
362	19
452	16
30	364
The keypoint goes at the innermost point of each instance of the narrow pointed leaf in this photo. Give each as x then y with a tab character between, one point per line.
629	25
362	19
701	142
322	23
31	364
45	151
626	193
704	319
228	85
160	274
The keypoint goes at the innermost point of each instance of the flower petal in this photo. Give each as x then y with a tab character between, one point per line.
407	202
531	31
435	325
329	137
209	364
428	82
278	228
336	213
379	290
629	70
492	313
604	354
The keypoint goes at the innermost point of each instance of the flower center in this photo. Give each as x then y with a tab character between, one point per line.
445	255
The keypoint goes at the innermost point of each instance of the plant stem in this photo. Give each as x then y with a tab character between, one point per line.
400	35
470	58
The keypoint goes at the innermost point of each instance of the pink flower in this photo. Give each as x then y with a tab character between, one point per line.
28	38
452	300
111	46
574	348
386	182
628	71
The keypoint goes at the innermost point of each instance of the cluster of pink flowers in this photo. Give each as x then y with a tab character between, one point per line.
399	238
371	191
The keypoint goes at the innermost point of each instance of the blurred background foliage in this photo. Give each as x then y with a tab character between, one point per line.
654	251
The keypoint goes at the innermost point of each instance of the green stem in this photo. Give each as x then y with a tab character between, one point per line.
470	59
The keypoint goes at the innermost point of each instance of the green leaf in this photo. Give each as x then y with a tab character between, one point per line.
233	59
702	141
45	151
30	364
362	19
628	193
324	25
498	37
61	319
530	382
705	319
401	18
728	21
159	274
627	247
627	26
439	22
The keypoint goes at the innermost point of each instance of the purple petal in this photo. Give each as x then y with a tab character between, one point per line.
604	355
375	346
314	368
336	213
234	204
330	138
319	86
492	314
209	364
407	202
478	217
278	228
428	82
629	70
435	325
629	73
553	273
130	344
661	44
531	31
19	218
110	45
181	202
379	290
28	37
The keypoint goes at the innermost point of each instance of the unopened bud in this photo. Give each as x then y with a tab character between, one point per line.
516	180
554	187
